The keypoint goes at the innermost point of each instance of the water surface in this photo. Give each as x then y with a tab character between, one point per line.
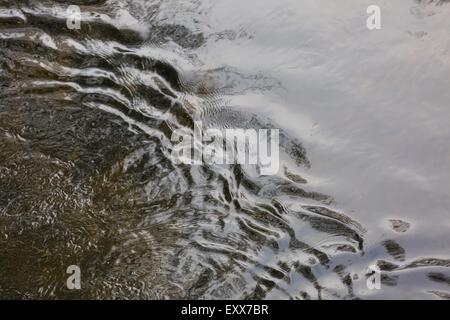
86	118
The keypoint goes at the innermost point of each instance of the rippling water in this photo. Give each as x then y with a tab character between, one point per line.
86	118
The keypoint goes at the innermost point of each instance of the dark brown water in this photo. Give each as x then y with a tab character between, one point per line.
86	118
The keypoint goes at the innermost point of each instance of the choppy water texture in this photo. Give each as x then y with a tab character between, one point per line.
85	123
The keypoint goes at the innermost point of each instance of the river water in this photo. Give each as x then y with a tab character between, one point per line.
86	117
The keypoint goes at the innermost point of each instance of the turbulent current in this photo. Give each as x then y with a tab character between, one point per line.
86	176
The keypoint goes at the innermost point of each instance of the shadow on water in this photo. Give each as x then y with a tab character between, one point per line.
85	123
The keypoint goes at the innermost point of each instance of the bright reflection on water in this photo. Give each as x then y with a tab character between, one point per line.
85	123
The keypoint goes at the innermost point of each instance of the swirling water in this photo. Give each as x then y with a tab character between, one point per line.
85	123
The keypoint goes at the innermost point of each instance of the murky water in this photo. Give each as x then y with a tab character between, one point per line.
86	118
